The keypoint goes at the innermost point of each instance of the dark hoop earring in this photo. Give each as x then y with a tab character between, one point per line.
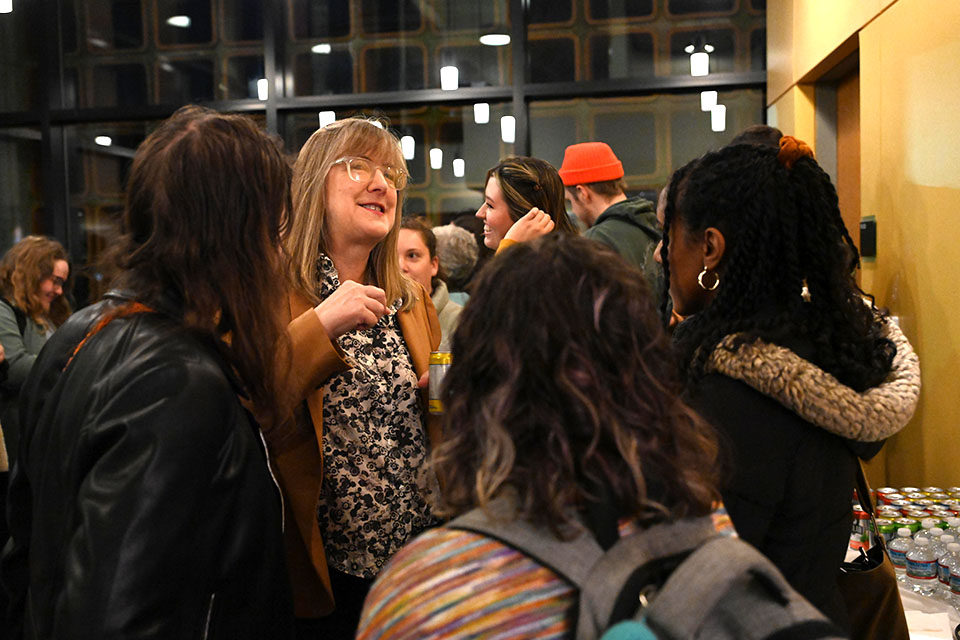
716	283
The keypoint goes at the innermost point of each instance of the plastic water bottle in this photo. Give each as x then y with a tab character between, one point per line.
953	527
939	546
926	526
946	564
898	548
922	568
955	586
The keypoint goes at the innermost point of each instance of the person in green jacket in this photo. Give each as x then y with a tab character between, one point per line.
593	184
33	274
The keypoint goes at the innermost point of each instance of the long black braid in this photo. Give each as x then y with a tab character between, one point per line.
782	229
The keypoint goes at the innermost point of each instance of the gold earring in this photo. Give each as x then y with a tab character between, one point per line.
716	283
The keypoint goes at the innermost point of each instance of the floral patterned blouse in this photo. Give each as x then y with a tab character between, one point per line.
375	494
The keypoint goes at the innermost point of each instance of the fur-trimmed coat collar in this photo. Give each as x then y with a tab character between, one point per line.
818	397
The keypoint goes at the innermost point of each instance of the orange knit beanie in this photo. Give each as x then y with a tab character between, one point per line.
589	162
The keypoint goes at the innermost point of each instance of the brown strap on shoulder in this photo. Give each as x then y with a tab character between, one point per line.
130	309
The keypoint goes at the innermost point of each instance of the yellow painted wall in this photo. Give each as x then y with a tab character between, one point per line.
801	34
794	114
910	180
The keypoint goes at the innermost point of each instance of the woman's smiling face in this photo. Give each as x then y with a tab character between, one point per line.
495	214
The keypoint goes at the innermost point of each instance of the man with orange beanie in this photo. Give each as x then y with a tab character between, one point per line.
593	179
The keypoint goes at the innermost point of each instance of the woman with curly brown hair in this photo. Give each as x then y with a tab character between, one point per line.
33	274
523	199
561	399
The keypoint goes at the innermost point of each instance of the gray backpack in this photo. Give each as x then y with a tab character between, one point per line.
673	581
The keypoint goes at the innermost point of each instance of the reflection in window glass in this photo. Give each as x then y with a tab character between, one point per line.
68	25
547	11
184	81
652	135
606	9
20	54
118	85
329	19
113	24
70	88
184	22
242	20
21	199
627	55
721	58
700	6
552	60
478	65
758	5
243	73
458	15
320	74
393	68
758	50
394	16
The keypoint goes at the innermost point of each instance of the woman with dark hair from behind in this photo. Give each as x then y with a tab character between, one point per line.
782	351
144	505
560	388
522	199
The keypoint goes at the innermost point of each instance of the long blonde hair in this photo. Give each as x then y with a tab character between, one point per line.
308	235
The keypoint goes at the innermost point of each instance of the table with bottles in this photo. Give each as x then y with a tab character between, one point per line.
921	527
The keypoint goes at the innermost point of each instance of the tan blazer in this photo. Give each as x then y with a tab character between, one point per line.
298	460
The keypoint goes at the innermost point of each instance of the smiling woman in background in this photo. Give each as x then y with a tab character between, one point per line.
362	335
523	199
419	260
32	277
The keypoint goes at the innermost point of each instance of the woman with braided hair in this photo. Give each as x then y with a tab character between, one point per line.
781	350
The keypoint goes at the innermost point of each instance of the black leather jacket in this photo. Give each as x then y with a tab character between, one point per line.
142	505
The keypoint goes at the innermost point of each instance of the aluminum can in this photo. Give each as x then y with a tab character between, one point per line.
910	523
916	495
907	490
860	533
886	528
932	490
890	498
439	363
883	490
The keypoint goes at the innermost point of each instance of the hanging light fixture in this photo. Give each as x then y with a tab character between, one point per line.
699	52
436	158
481	113
449	78
6	6
718	118
409	146
327	117
103	141
458	167
262	88
322	48
708	100
508	129
179	21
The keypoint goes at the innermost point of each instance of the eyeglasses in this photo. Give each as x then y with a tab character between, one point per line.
362	170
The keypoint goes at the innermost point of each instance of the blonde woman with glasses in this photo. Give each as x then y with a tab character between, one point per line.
362	333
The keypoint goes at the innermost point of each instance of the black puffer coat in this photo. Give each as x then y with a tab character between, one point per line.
142	505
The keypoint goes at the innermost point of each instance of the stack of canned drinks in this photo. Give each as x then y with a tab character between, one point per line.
922	531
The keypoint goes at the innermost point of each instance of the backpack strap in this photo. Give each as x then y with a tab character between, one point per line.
18	313
717	575
637	565
570	559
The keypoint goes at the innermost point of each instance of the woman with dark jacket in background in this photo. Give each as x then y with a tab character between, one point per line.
782	351
142	503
